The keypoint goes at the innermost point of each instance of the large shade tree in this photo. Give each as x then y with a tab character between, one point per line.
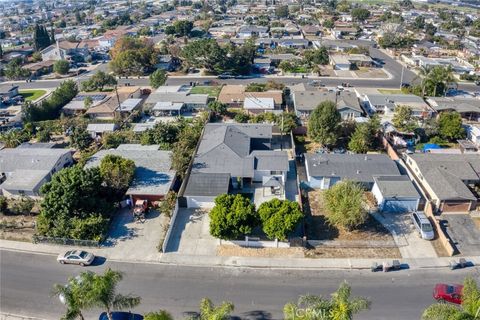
324	122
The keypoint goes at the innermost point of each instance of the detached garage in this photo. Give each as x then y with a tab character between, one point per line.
203	188
395	194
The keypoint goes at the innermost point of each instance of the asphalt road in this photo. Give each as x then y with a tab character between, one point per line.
26	280
390	64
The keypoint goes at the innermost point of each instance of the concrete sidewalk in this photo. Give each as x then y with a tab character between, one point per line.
245	262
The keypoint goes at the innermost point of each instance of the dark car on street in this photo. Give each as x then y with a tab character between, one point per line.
121	315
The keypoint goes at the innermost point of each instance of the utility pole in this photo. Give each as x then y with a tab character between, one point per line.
281	131
401	77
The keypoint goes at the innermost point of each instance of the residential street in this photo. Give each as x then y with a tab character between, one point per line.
27	280
392	66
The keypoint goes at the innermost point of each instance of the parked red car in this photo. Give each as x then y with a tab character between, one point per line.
448	293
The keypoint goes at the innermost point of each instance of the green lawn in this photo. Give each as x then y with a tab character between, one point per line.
32	95
390	91
212	91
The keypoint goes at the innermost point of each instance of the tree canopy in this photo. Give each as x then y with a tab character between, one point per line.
133	57
99	81
341	306
360	14
50	108
344	204
363	138
117	173
450	126
73	206
324	122
232	216
61	66
158	78
403	119
279	218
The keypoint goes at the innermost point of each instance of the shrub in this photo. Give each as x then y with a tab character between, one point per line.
344	205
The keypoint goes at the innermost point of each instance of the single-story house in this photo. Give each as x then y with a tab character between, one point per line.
258	105
469	108
153	177
386	104
77	105
25	170
325	170
306	101
99	129
447	179
234	96
395	194
107	109
40	68
174	95
350	61
263	64
342	32
233	157
129	105
8	92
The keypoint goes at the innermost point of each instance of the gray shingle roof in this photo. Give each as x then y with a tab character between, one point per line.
153	173
357	167
309	100
207	184
28	168
271	160
397	187
445	173
235	150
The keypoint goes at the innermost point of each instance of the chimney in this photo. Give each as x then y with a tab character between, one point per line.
366	158
358	171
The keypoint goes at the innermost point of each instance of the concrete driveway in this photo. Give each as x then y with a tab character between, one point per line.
190	234
463	232
406	236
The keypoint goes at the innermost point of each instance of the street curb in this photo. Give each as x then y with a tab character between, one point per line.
232	263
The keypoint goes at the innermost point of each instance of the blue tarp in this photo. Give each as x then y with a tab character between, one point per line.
430	146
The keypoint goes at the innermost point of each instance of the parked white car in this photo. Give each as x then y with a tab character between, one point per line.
79	257
423	225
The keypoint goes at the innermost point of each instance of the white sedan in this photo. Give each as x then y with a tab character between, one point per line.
79	257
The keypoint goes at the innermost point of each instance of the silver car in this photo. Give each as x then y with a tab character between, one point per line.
79	257
423	225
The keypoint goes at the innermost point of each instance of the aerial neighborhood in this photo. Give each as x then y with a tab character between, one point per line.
280	134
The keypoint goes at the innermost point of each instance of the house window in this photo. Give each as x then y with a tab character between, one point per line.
275	172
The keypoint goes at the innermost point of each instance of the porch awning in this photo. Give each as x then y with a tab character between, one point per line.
271	181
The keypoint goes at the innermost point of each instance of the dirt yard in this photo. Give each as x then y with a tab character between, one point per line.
319	229
371	73
229	250
18	228
365	253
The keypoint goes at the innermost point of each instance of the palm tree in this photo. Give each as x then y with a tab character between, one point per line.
343	307
73	296
469	310
103	293
160	315
308	307
208	311
340	307
435	77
